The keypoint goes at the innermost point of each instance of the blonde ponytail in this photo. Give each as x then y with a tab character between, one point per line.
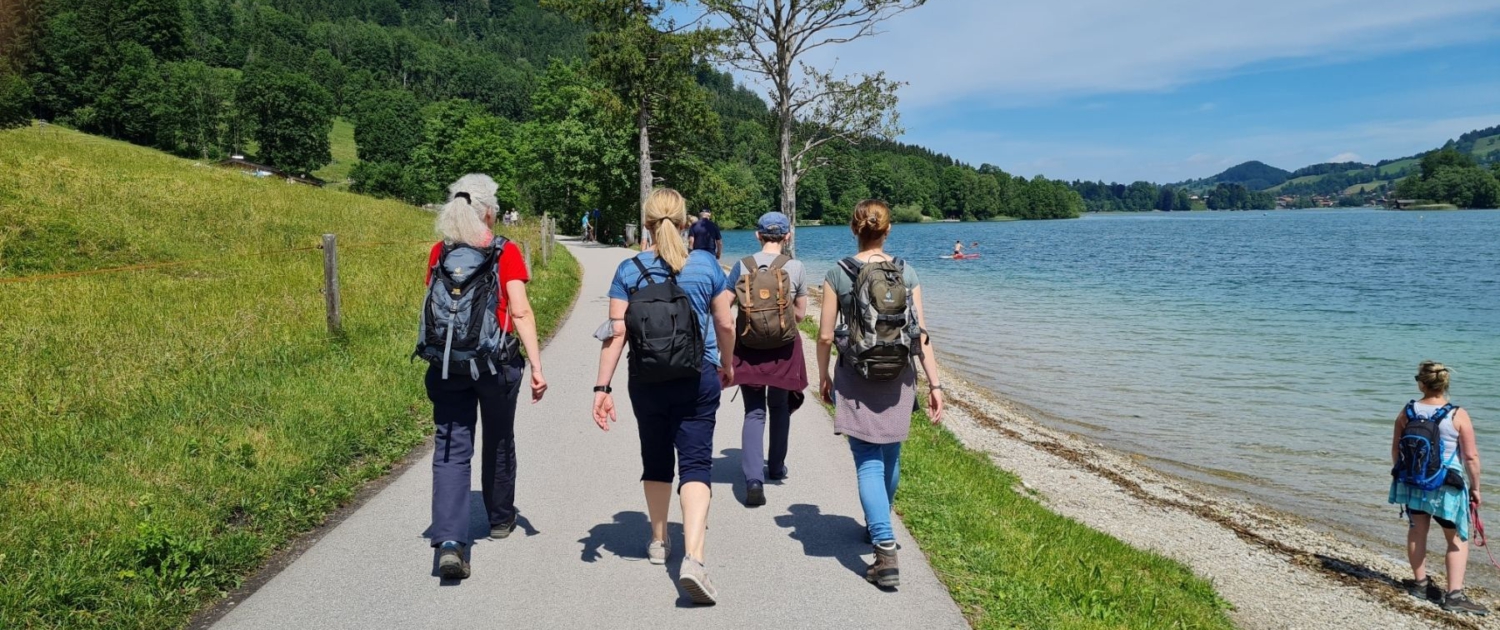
666	215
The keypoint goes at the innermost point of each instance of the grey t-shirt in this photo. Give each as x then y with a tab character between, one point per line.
793	268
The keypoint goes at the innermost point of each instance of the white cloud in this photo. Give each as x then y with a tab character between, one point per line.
993	52
1347	156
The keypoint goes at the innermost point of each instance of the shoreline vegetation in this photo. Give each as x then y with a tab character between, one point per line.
164	431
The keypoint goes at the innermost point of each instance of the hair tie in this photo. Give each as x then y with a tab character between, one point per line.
467	199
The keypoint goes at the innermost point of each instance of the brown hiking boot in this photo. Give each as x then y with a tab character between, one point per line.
885	572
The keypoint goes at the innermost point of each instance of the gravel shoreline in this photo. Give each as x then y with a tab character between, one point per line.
1275	572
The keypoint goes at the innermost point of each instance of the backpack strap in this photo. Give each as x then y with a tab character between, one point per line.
645	273
781	261
1410	411
750	266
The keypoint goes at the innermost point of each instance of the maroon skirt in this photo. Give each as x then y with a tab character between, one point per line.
784	367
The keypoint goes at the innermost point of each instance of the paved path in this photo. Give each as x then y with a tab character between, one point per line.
578	558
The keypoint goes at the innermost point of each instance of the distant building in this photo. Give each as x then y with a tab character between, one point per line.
239	163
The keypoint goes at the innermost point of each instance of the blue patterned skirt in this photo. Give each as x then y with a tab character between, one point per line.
1446	502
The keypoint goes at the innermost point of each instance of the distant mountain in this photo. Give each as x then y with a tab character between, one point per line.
1254	175
1343	178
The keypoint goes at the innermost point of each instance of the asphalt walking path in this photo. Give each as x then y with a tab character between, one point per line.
578	556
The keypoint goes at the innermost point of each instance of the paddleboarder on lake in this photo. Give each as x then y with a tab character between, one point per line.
958	249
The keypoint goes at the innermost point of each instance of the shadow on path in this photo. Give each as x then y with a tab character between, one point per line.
827	535
626	537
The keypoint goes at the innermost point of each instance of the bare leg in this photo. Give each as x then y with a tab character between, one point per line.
1458	560
1416	545
695	499
658	503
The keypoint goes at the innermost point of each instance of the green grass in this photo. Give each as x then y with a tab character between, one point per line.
1487	145
163	431
1393	168
345	155
1366	187
1009	562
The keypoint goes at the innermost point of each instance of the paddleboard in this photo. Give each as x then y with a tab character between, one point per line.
959	257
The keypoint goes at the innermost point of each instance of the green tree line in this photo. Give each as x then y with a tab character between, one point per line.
1452	176
437	88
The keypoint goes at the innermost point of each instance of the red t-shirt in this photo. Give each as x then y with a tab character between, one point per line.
512	267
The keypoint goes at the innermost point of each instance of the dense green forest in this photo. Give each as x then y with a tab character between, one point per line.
437	88
1453	177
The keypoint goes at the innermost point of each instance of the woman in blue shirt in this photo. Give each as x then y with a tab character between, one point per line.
676	415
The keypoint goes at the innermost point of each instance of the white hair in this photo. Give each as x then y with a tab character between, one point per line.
471	200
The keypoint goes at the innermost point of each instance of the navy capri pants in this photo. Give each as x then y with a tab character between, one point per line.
677	415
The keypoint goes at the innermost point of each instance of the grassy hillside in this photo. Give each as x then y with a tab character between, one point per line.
341	144
162	431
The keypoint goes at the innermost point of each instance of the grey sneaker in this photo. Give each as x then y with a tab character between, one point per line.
1457	602
885	572
658	551
694	580
503	530
1424	590
451	563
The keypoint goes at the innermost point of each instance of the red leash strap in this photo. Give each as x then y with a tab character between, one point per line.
1479	538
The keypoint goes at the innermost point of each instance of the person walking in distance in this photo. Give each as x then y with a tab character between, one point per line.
475	309
1436	478
704	234
674	309
771	294
872	310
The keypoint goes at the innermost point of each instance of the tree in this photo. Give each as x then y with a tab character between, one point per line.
15	99
387	126
198	104
292	117
768	39
646	60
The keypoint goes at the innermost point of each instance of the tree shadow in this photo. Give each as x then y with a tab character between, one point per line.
827	535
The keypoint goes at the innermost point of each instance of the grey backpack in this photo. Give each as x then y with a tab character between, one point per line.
459	325
881	330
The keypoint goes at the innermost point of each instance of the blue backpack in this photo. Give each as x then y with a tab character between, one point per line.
1420	460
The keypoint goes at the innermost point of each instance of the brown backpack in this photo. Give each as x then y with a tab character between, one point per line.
765	299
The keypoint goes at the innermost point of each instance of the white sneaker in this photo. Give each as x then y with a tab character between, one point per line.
658	551
694	580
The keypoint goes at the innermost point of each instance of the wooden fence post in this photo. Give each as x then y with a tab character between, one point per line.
526	254
331	283
546	246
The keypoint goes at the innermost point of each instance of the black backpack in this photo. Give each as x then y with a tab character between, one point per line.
459	325
666	342
1420	460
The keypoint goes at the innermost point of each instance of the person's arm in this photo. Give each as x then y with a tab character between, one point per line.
827	319
1469	446
609	359
524	320
722	309
929	362
799	307
1396	438
799	303
718	248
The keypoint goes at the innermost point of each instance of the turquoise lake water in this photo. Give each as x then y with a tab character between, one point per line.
1263	353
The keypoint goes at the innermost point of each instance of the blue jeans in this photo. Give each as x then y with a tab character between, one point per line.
878	467
453	411
759	403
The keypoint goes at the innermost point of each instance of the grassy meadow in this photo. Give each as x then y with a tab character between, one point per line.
1009	562
345	155
163	431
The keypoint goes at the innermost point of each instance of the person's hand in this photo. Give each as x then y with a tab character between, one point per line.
1474	496
538	385
604	410
825	389
726	376
935	405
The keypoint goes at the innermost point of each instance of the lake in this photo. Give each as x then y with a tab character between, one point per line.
1266	353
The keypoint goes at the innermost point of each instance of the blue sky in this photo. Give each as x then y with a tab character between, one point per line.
1166	90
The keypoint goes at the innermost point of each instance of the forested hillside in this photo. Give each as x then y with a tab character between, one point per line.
436	88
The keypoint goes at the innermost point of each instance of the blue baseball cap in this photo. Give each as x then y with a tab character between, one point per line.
773	223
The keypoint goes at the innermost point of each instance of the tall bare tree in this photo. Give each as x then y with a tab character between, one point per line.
768	39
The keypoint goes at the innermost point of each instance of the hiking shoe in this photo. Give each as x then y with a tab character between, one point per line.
1457	602
503	530
451	563
658	550
1424	590
694	580
885	572
755	493
776	475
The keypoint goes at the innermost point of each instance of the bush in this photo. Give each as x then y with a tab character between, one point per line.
907	213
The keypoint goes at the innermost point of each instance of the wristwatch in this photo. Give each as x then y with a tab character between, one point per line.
604	388
934	388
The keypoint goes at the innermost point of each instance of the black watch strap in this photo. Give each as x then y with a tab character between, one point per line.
604	388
